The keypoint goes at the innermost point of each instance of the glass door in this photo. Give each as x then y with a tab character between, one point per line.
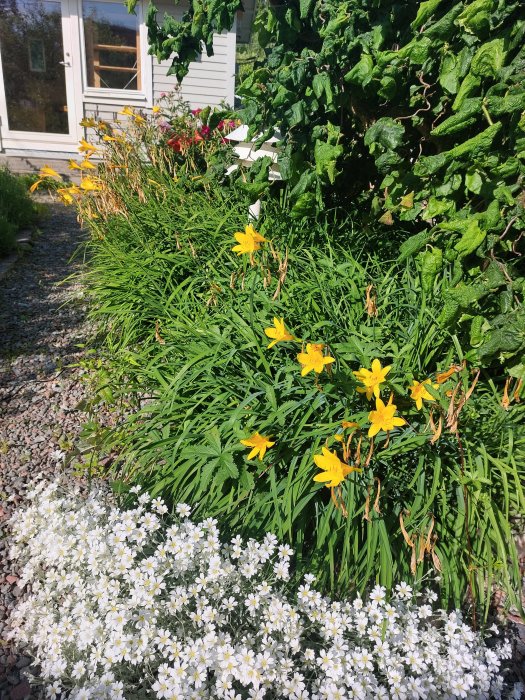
35	64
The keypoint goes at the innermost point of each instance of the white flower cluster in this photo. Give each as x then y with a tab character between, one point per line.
120	604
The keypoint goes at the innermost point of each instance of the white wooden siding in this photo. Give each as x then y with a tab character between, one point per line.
210	80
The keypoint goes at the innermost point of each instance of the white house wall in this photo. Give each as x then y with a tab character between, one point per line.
210	81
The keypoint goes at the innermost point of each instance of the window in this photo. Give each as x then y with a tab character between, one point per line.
112	46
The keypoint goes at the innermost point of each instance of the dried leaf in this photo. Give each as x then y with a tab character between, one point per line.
378	494
436	430
421	554
452	418
505	401
413	562
387	219
407	201
370	303
403	530
158	337
435	559
366	515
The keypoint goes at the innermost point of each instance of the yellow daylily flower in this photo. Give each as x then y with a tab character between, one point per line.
249	241
418	392
139	119
313	359
372	379
349	424
90	185
47	171
87	165
65	195
87	148
383	418
35	185
156	109
73	165
128	112
106	137
250	230
278	333
334	471
260	444
88	122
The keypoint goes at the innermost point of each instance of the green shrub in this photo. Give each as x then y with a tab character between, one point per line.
8	232
17	211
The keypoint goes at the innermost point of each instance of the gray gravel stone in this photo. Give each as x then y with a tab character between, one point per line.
41	322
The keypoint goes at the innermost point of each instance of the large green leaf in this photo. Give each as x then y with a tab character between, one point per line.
326	156
385	133
488	59
475	18
471	239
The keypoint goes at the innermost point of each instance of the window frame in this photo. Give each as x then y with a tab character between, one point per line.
142	97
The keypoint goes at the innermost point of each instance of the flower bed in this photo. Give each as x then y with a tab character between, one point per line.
124	604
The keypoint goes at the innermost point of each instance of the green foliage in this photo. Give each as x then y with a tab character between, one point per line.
200	21
414	110
17	211
183	322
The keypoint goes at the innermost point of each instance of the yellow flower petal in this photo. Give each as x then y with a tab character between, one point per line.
383	417
313	359
372	379
278	332
373	430
35	185
259	443
47	171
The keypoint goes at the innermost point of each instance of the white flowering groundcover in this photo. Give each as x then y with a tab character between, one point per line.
123	604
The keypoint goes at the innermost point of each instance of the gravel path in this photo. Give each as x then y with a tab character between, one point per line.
39	392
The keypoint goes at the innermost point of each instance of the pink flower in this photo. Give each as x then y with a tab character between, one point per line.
205	131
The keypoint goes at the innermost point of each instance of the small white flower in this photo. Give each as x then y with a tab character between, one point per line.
127	596
183	510
404	590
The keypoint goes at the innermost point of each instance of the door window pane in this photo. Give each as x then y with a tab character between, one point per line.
32	64
111	37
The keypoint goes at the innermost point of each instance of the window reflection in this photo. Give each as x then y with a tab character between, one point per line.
32	64
112	46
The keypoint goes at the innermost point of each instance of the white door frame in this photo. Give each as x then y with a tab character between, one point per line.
12	139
